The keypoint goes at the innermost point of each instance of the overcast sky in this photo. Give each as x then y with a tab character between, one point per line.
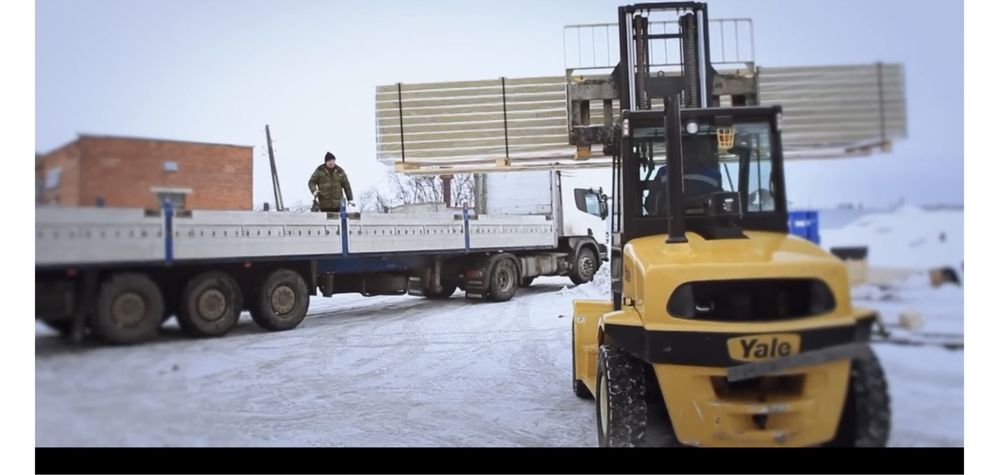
218	70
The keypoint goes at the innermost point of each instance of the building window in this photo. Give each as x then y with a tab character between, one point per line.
170	166
177	196
176	199
52	178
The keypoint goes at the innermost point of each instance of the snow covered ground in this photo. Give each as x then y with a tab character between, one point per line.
906	238
404	371
381	371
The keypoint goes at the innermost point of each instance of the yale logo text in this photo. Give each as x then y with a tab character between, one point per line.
763	347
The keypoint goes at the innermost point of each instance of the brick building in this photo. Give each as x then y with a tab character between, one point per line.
140	173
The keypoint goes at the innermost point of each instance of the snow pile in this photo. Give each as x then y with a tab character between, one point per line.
598	288
907	238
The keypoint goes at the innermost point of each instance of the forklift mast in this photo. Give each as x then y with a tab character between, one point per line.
639	82
653	144
635	83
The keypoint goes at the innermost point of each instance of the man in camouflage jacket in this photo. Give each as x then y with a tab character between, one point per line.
328	185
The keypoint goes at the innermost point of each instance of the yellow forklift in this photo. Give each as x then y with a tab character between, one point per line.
722	329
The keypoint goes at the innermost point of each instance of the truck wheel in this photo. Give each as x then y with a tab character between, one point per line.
578	388
584	267
622	413
503	281
282	302
447	290
129	309
527	281
210	305
866	419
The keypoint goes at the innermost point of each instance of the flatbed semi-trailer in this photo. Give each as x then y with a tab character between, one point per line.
120	273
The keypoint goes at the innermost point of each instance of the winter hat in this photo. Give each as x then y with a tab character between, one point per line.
329	156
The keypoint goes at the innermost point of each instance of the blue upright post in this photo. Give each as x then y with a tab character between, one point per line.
168	230
343	229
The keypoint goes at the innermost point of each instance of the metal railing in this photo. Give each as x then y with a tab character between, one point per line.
596	46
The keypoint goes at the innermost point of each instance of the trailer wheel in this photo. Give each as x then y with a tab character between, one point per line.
584	267
503	280
866	419
282	302
210	305
129	309
622	413
527	281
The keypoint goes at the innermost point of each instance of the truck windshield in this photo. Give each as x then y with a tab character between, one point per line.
733	158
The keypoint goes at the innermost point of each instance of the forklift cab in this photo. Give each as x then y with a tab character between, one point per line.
710	171
735	152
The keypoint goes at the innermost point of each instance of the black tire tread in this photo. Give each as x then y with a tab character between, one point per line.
866	419
494	294
628	411
260	308
117	283
575	274
186	319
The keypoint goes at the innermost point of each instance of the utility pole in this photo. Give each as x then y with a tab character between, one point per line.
278	202
446	188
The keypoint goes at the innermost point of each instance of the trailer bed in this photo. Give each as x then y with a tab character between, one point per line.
81	236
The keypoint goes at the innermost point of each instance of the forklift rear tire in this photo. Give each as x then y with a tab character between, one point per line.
866	419
210	305
129	309
282	302
622	412
503	280
659	430
584	267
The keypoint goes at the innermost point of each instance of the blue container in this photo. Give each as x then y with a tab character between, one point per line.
804	224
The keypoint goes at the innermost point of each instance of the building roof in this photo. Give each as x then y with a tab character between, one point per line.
153	139
145	139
